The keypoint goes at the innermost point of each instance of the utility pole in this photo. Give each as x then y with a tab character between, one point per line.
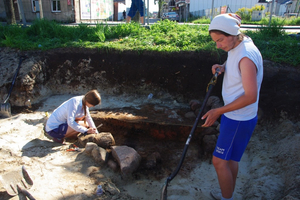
271	13
22	12
41	9
147	12
212	11
297	7
10	13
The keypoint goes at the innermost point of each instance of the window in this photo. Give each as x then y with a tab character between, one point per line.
55	6
35	5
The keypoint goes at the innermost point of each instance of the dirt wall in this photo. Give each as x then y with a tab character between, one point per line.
185	75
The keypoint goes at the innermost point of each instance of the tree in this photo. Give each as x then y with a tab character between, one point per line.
10	13
297	7
160	5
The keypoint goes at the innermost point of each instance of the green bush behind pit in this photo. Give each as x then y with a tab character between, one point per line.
163	36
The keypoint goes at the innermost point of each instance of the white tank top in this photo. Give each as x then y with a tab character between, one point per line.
232	83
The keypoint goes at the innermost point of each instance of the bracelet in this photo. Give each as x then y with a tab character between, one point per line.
85	133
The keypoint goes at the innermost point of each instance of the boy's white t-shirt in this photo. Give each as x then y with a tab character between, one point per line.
232	83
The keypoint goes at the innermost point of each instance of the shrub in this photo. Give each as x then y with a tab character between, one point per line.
246	13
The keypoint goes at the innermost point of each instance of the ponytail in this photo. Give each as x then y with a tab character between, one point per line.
92	97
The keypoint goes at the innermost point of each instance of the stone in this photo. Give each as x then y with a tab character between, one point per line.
152	160
98	153
90	170
190	114
194	104
127	158
207	148
209	131
111	188
89	148
214	102
104	140
83	140
113	165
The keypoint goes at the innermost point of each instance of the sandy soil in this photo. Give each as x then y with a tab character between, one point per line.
269	168
266	170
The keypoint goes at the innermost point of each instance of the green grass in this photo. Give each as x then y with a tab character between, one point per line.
291	21
163	36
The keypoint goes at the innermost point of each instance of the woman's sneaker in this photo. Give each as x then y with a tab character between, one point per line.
216	194
47	135
58	140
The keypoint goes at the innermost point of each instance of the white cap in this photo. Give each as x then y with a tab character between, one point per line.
229	23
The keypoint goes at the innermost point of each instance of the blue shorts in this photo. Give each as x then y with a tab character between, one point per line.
234	138
136	5
59	132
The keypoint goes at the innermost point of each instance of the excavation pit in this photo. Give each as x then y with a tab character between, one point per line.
149	125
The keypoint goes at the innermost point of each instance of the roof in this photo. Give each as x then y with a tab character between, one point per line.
278	1
282	1
264	1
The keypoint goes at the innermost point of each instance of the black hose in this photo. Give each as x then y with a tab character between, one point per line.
14	79
211	84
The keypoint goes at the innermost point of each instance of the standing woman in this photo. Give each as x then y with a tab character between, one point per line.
243	75
73	117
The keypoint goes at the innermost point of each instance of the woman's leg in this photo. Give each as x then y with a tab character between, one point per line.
226	172
71	133
234	167
128	19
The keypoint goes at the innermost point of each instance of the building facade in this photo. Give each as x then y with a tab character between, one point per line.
63	11
181	7
78	11
203	8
